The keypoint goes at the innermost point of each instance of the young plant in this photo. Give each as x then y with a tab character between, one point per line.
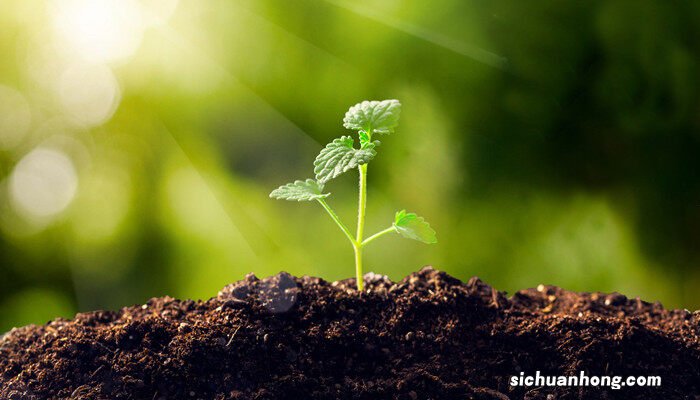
339	156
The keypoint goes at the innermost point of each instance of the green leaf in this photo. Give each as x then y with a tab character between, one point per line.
411	226
365	139
373	116
340	156
307	190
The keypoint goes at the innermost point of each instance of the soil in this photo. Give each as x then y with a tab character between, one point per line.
429	336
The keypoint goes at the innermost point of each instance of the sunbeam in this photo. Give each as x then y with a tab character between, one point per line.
467	50
257	238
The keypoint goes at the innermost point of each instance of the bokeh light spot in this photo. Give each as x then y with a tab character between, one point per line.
43	184
103	201
89	93
195	207
99	30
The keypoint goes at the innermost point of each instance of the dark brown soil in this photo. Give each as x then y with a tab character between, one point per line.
429	336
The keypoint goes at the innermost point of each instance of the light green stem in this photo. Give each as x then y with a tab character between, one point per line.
378	235
358	268
337	220
362	204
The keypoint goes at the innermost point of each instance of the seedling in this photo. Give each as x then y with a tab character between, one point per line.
339	156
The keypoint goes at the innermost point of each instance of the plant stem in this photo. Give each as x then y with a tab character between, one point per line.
362	203
337	220
377	235
358	268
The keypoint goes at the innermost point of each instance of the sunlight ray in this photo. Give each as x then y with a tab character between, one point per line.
262	238
211	187
178	40
467	50
277	27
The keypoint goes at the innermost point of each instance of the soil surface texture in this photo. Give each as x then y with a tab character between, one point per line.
429	336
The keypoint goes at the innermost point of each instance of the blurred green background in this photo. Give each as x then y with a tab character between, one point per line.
546	141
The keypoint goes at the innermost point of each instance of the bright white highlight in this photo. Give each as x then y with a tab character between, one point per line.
157	12
89	93
99	30
43	184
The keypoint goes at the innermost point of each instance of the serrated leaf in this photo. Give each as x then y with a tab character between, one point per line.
411	226
373	116
307	190
340	156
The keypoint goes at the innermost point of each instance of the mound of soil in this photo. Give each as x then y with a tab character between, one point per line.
429	336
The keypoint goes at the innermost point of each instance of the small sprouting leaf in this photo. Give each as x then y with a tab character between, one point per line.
411	226
307	190
365	139
373	116
340	156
